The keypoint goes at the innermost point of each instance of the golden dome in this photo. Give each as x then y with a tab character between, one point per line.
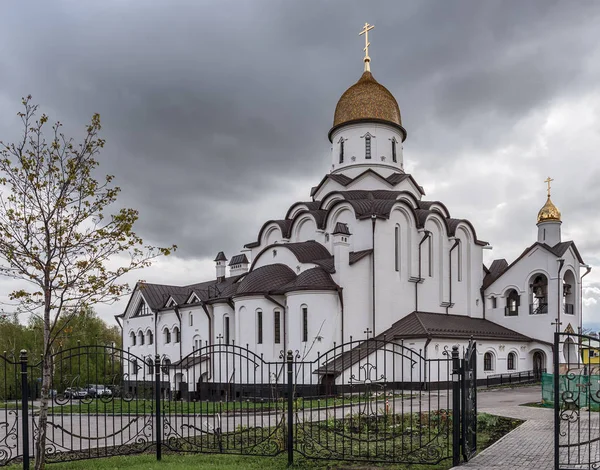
548	213
367	99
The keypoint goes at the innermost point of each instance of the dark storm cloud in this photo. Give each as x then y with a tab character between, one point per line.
213	109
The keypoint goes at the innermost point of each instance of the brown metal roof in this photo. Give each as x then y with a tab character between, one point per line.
265	279
358	255
423	325
311	279
238	259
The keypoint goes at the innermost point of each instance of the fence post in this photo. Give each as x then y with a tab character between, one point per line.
556	386
290	407
455	407
157	398
24	408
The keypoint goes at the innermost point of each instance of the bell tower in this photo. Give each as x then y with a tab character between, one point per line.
549	221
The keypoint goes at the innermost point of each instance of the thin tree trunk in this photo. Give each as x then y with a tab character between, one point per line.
40	443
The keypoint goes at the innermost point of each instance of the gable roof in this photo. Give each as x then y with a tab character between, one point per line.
557	250
423	325
311	279
393	180
238	259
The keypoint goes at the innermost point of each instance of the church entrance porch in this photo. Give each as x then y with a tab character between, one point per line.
539	365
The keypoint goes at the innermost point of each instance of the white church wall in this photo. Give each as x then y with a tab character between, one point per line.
219	312
355	149
304	228
324	322
433	291
278	255
394	293
195	325
357	289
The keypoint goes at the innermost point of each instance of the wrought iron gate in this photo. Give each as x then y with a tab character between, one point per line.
576	401
372	400
469	402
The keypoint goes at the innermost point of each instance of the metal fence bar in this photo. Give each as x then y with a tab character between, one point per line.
157	404
24	409
290	406
556	399
455	406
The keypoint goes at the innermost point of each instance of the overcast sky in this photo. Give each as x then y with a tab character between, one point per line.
216	112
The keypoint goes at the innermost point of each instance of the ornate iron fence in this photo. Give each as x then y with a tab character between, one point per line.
371	400
576	401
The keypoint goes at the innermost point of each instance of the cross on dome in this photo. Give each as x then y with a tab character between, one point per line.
366	28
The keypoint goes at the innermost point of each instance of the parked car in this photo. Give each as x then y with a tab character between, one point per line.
97	391
76	392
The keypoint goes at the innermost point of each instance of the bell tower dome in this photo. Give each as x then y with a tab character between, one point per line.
367	127
549	221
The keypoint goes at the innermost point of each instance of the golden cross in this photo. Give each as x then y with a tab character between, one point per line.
368	27
548	181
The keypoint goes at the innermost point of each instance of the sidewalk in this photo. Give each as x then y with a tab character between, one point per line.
530	446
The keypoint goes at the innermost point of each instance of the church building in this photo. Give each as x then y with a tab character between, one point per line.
368	255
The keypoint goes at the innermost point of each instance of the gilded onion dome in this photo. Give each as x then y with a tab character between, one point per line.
367	100
548	213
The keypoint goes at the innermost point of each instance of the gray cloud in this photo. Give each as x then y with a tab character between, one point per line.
213	110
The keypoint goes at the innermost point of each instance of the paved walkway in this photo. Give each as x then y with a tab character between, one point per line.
529	446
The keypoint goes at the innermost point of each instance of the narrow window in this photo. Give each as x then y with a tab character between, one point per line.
150	364
494	302
226	330
430	256
277	329
487	361
459	264
177	334
259	327
394	157
342	150
368	147
132	335
141	338
167	336
150	337
191	320
511	361
304	324
397	248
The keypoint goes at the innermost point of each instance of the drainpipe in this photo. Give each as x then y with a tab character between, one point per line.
373	220
425	362
426	235
588	269
341	297
561	262
456	243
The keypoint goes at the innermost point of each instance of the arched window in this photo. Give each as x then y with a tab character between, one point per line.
259	327
167	335
510	361
166	364
277	326
568	293
488	362
132	338
367	146
397	248
177	334
226	332
304	323
394	156
459	264
512	303
141	337
341	150
197	343
150	365
149	337
538	295
430	260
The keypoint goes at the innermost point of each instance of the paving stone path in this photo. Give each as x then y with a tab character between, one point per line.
530	446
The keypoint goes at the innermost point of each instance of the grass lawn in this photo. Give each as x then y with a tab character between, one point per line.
490	429
120	406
